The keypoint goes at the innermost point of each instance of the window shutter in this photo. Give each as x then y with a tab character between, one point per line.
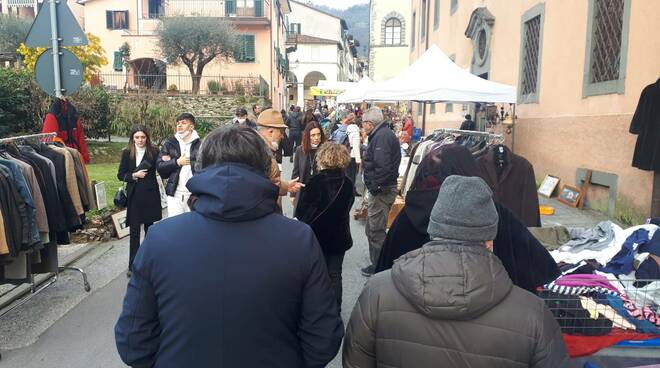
258	8
117	64
125	25
108	19
249	48
230	7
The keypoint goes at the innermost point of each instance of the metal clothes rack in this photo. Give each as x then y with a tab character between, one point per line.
496	138
46	138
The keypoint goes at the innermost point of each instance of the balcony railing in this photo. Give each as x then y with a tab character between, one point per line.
212	8
20	3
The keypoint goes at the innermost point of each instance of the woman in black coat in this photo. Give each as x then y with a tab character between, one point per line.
527	262
138	170
325	205
304	164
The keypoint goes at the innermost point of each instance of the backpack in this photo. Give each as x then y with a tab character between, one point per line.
340	135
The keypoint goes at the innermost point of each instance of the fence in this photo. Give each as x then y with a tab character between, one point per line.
183	83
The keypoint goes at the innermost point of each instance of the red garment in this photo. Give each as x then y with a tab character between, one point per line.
408	126
579	346
51	126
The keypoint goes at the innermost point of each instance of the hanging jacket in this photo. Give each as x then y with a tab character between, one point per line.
66	202
229	284
515	187
14	212
528	264
450	305
62	118
170	170
646	125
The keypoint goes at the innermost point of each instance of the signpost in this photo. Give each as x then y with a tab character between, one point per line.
62	74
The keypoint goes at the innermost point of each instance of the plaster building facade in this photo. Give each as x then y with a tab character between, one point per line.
579	68
389	38
325	51
261	23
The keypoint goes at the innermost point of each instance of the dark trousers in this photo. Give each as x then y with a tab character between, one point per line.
135	241
351	172
334	263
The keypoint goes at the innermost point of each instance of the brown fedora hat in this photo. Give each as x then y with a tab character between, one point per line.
271	119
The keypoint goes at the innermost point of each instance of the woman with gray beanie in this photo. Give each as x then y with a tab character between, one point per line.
452	301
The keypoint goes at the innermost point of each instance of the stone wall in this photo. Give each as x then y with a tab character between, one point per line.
213	107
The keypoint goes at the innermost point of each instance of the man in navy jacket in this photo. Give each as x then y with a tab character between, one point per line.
231	283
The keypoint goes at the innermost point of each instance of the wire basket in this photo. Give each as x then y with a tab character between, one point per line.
605	308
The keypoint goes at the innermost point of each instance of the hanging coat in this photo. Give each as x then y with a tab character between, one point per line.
646	124
515	187
62	118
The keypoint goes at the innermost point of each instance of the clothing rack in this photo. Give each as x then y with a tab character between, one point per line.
497	138
34	290
44	137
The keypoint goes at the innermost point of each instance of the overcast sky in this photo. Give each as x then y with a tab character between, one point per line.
339	4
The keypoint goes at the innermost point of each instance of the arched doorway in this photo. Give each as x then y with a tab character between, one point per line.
147	73
311	80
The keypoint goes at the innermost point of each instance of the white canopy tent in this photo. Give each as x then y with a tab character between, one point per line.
435	78
356	93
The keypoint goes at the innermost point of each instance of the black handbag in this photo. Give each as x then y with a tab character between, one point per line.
121	199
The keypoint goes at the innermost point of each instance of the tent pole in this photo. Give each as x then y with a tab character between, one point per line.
424	120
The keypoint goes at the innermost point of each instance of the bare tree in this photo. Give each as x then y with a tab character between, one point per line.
196	42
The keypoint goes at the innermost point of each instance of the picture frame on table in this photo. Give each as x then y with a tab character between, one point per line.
570	195
548	186
121	227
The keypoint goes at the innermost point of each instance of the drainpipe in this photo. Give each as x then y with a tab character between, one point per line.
272	97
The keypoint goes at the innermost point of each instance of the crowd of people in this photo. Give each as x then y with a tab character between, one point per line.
228	280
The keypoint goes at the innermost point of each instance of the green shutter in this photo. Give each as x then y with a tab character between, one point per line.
108	19
249	48
117	63
230	7
258	8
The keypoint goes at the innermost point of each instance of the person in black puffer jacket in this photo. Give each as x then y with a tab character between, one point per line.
176	163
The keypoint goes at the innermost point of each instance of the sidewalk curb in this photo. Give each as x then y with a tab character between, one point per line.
24	289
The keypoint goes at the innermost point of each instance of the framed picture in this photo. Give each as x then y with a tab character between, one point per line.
119	220
548	186
101	197
570	195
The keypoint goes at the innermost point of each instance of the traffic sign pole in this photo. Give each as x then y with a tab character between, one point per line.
56	49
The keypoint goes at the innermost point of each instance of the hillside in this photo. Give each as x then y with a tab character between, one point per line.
357	20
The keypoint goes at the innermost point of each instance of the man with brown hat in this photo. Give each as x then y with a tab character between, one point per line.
271	127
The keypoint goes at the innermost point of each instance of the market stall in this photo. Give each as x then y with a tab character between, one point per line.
356	93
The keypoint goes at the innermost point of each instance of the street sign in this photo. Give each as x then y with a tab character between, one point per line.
71	72
68	29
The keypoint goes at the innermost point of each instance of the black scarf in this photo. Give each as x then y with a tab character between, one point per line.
67	119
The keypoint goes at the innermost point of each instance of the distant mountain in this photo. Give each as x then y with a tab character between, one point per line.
357	20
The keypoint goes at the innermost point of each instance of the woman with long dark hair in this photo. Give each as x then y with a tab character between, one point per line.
304	164
527	262
138	170
325	205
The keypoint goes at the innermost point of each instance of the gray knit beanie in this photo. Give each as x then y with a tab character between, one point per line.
464	211
374	115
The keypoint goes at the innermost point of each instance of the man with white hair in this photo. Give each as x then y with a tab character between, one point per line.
381	170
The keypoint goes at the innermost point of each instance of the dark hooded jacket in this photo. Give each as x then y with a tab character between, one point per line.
229	284
527	262
450	305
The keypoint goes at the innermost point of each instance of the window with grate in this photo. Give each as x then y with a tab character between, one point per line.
606	40
247	50
116	19
453	7
530	62
449	107
607	47
393	32
432	108
436	14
